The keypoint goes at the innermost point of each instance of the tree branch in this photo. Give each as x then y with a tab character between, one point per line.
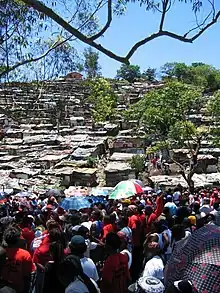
164	11
107	25
24	62
37	5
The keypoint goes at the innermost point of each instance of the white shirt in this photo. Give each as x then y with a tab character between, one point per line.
126	251
89	268
79	287
154	268
90	246
87	224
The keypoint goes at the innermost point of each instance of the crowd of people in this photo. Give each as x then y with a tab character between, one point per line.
114	247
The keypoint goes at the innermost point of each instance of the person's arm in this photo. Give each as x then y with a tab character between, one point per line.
28	268
159	206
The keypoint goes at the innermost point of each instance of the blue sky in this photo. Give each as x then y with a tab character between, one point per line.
137	23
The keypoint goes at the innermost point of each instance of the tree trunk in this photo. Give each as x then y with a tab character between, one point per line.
191	184
136	174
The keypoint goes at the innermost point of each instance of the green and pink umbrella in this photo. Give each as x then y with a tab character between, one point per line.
126	189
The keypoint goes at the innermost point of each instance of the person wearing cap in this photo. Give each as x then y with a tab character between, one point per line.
171	205
78	247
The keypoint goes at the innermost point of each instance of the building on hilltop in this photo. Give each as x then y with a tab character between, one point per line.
74	75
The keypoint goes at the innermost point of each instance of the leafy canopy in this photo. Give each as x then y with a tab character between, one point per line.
198	74
102	99
91	63
161	108
129	72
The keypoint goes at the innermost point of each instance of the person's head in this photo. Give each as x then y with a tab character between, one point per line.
123	221
216	205
169	198
2	258
78	245
84	218
56	235
178	232
160	226
107	220
57	251
97	215
182	286
196	207
113	218
68	270
187	223
84	232
123	239
11	236
206	201
151	246
166	211
112	241
51	224
132	210
148	210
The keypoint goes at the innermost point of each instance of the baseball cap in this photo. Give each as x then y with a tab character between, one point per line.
77	240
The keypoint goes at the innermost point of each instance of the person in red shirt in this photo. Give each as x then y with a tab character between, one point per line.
153	215
19	265
42	254
115	274
135	225
27	233
109	225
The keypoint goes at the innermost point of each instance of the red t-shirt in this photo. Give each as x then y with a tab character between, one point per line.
152	218
115	273
107	229
135	225
18	266
28	235
42	253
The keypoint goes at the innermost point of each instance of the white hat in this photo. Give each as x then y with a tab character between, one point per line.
151	285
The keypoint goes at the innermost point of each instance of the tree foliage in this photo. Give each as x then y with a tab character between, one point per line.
23	41
91	63
137	163
129	72
62	12
150	74
103	100
198	74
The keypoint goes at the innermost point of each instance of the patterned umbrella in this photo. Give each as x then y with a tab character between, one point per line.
100	191
24	194
125	189
75	203
53	192
139	182
96	199
197	259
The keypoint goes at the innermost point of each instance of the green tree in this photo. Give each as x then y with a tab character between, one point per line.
103	100
137	163
23	40
198	74
129	72
91	63
150	74
164	115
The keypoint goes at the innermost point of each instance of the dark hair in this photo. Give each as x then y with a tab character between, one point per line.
57	251
166	210
113	240
184	287
124	221
178	232
11	235
71	268
216	205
